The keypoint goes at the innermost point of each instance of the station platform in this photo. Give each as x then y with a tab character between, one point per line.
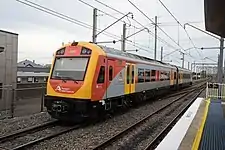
202	127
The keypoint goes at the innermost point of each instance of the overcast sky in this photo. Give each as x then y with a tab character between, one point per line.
40	34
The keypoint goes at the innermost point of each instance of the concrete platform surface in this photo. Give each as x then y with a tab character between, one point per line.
182	135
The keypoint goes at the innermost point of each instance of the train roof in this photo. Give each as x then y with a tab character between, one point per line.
113	51
183	69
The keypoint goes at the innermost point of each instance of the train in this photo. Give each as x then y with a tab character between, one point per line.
87	80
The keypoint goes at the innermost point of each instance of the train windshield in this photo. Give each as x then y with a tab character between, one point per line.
70	68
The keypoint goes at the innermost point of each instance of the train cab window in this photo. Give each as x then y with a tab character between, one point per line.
153	75
141	75
110	73
101	75
147	75
132	75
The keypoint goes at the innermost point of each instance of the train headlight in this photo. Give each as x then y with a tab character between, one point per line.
85	51
60	52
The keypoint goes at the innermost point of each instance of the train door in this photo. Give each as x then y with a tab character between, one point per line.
129	86
180	77
171	77
110	75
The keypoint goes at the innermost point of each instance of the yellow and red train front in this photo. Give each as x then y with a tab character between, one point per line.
69	87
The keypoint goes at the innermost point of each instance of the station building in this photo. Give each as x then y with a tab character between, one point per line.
8	60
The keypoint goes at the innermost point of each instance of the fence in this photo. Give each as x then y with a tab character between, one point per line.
21	101
6	96
213	90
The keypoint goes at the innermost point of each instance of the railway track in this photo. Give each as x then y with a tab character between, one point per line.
185	90
27	137
153	144
138	124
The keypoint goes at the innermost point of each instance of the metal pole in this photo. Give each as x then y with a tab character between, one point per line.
196	72
161	53
182	60
155	37
220	72
200	30
124	37
113	23
94	36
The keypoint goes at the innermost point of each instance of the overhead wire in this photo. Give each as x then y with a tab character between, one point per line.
114	18
72	20
151	33
155	24
180	25
62	16
160	29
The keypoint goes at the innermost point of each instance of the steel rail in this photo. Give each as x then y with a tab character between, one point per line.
133	126
25	131
31	143
161	135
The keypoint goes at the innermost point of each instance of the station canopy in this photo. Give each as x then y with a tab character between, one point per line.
215	16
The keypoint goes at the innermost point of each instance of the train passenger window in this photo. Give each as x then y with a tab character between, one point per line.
110	73
162	76
101	75
175	75
169	75
147	75
128	74
132	73
141	75
153	73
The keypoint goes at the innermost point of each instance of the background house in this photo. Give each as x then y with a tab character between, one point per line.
30	72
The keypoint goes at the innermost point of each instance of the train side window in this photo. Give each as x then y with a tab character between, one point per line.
162	76
101	75
140	75
147	75
167	76
110	73
132	75
128	74
153	73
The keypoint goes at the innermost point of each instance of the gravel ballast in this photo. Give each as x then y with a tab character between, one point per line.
86	137
146	132
89	137
11	125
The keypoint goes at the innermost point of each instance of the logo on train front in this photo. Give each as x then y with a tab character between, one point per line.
58	88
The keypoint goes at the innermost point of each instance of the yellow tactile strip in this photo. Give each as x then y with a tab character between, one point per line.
198	136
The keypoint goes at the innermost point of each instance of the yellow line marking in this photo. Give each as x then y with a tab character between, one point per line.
198	136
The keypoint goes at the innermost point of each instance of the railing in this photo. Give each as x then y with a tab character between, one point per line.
215	90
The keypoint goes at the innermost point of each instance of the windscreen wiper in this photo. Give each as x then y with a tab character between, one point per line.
66	78
58	77
69	78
